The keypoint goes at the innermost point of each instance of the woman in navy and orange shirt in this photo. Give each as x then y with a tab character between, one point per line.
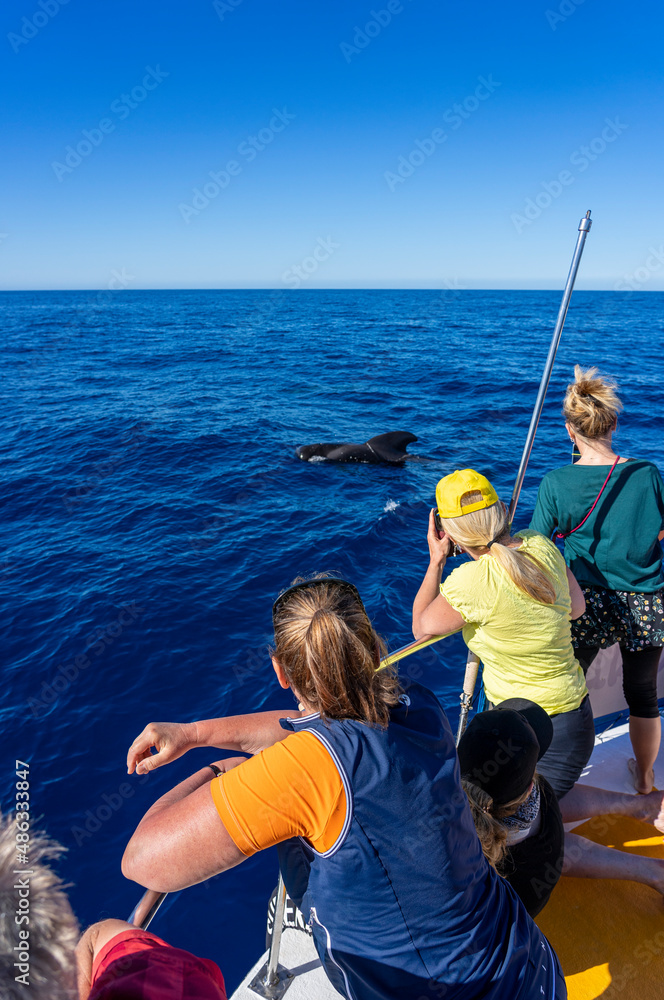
361	792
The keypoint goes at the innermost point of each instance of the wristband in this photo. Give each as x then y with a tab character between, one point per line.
216	770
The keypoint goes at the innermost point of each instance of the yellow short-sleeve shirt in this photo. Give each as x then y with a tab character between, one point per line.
525	646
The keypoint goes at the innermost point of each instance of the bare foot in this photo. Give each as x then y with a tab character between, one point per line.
643	785
649	808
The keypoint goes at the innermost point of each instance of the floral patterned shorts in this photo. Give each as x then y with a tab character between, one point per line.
636	621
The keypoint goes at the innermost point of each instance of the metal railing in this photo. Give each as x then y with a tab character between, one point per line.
142	914
272	980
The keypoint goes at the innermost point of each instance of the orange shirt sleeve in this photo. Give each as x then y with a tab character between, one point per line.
291	789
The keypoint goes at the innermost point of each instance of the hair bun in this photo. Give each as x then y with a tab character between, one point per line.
591	403
589	382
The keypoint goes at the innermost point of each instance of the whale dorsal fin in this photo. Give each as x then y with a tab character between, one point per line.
392	446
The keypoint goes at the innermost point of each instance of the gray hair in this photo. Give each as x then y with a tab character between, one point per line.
51	924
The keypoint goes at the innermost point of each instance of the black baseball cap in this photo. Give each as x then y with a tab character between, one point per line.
500	749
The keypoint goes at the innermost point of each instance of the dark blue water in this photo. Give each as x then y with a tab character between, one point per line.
153	508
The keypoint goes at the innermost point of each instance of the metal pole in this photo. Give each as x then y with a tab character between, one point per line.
273	980
271	977
584	229
142	914
467	692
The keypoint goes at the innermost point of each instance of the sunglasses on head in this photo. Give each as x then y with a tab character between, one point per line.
344	585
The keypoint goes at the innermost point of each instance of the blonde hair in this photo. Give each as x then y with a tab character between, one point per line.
53	927
591	404
486	817
329	652
489	525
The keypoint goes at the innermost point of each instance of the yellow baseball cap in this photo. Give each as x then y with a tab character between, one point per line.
452	488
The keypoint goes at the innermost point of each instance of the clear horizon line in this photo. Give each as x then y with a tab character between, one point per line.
334	288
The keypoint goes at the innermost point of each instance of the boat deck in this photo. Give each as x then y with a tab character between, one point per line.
609	935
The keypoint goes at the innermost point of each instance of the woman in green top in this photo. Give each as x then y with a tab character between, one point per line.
514	600
612	545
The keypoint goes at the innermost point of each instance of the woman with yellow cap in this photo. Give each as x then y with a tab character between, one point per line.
514	601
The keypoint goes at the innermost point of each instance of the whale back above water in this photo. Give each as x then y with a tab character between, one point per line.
390	448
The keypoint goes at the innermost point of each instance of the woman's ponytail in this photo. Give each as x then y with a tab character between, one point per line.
488	528
524	573
329	652
492	834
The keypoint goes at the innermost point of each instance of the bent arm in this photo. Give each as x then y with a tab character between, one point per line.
432	615
240	733
181	840
89	946
437	618
244	733
575	592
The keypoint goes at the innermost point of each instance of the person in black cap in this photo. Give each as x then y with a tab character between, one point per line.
516	812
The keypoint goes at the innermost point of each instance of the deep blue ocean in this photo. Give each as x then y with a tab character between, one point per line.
153	507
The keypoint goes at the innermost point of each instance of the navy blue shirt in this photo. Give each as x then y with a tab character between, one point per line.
404	905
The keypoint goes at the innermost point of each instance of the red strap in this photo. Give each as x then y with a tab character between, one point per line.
564	534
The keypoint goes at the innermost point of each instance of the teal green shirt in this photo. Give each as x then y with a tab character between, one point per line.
617	547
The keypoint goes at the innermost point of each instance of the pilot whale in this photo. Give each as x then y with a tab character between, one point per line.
389	448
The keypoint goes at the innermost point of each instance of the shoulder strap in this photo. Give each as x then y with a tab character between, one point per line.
564	534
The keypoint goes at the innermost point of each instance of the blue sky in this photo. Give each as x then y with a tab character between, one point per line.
349	163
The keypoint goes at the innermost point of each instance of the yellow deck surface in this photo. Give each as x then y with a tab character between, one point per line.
609	935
